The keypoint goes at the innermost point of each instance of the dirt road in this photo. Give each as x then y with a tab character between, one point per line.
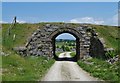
67	71
65	55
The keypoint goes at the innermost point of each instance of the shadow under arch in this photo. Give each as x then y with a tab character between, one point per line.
76	35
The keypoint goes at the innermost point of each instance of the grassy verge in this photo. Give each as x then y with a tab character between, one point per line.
0	61
100	69
0	53
17	68
0	68
73	54
58	53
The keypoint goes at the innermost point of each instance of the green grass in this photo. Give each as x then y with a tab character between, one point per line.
0	67
58	53
17	68
0	61
110	35
100	69
22	32
73	54
31	68
0	47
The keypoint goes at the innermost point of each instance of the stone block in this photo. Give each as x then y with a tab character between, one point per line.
48	25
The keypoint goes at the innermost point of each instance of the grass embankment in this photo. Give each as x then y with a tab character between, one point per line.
0	68
21	32
97	67
110	35
100	69
17	68
29	68
0	47
0	53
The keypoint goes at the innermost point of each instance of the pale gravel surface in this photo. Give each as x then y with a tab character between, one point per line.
67	71
65	55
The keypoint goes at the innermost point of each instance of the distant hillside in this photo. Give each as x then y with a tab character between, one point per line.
23	31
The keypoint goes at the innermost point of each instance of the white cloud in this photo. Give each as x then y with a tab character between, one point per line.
21	21
3	22
87	20
112	21
115	19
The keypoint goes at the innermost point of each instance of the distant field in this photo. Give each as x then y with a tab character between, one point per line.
67	44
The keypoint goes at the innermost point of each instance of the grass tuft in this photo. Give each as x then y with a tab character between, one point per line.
73	54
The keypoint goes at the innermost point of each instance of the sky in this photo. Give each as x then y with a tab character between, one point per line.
74	12
66	36
60	0
103	13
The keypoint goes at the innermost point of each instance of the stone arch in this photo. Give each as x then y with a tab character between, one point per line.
75	33
41	43
69	30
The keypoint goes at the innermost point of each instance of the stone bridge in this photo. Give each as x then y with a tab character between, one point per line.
42	41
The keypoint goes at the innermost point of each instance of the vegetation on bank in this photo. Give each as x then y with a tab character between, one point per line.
72	54
0	47
110	35
17	35
58	53
30	68
14	66
100	69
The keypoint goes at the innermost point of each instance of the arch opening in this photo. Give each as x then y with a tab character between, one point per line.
74	52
